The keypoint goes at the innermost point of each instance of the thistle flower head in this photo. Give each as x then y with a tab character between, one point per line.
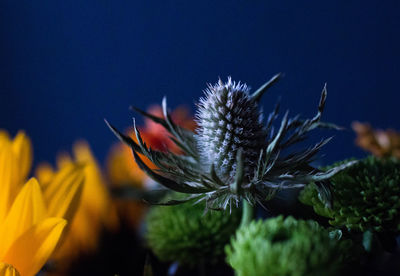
229	120
232	155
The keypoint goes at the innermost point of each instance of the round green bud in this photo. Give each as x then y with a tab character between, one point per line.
289	247
366	196
185	234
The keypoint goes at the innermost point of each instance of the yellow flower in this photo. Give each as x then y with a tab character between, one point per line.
94	211
30	226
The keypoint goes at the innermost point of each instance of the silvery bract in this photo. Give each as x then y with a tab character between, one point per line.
232	155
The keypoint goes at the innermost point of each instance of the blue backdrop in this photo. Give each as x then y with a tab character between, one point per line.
66	65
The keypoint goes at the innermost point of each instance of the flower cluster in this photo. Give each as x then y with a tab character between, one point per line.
33	217
279	246
365	196
185	234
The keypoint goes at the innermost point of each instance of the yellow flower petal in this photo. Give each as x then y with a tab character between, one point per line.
23	150
63	159
8	178
28	209
8	270
30	252
64	192
4	137
44	173
96	199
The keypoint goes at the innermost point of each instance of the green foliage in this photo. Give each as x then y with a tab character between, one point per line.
287	247
365	196
185	234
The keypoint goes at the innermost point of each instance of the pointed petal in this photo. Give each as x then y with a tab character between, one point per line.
28	209
44	173
22	148
4	137
63	194
8	178
8	270
31	250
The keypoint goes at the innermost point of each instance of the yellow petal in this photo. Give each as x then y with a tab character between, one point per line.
8	270
28	209
96	198
22	147
44	173
8	178
63	193
4	137
63	159
31	251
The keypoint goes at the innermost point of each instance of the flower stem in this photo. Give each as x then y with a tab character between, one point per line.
247	213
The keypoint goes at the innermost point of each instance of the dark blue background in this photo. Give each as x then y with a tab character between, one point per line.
66	65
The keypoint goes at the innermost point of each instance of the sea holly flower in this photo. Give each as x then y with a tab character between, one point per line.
232	155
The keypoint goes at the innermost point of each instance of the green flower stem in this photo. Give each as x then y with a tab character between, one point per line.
247	213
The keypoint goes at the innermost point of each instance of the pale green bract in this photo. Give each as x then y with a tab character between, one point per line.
232	155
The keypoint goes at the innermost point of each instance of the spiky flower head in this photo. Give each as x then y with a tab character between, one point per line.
279	247
185	234
229	120
232	156
365	196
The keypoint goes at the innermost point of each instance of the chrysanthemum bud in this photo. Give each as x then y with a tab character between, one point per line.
185	234
229	119
365	196
279	246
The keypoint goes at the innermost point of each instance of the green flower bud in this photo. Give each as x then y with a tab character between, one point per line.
287	247
365	196
185	234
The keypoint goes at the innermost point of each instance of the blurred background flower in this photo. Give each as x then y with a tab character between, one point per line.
94	212
32	218
123	171
381	143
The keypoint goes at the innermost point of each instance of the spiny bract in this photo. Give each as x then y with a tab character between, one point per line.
232	155
365	196
280	247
